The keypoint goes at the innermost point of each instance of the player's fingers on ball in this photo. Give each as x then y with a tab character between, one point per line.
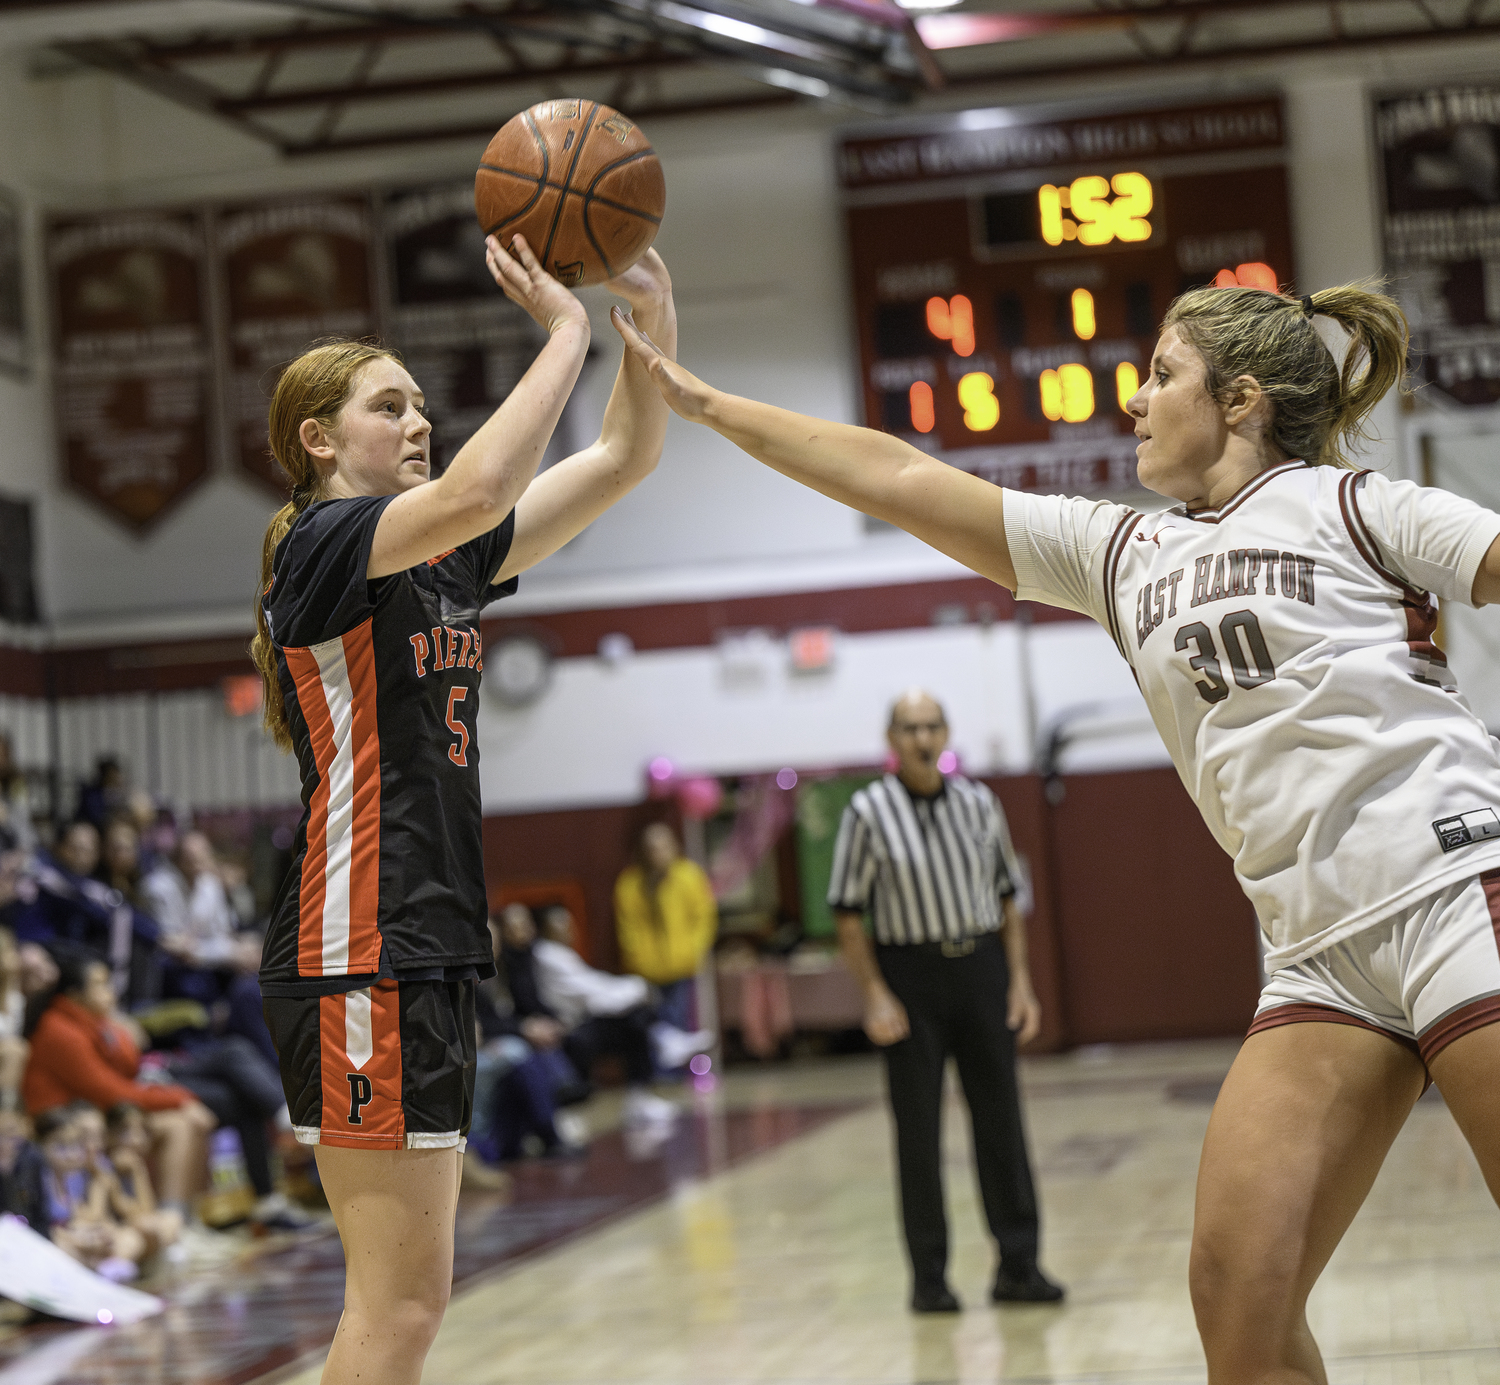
522	252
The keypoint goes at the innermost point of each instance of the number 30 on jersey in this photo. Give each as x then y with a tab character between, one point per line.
1241	639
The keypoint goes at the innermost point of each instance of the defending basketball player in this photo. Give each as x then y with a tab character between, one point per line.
373	580
1279	619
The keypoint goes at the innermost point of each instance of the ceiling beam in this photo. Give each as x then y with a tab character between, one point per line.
658	111
458	81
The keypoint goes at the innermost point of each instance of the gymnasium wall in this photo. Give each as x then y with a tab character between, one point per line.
1138	931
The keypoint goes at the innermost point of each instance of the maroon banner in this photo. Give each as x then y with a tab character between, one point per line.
132	363
292	272
465	343
1441	159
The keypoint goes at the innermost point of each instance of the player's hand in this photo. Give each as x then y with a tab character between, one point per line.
885	1018
1023	1011
644	284
687	395
525	282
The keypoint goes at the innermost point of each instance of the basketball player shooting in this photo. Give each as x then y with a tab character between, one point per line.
1279	618
368	640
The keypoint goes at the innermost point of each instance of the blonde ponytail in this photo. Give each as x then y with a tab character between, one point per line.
1319	408
316	385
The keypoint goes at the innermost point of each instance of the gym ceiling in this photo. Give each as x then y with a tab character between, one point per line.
319	76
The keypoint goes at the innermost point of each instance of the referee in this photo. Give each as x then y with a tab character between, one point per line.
929	858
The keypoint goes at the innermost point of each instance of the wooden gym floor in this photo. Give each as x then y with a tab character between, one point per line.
760	1245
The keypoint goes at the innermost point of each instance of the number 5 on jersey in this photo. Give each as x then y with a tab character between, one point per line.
459	751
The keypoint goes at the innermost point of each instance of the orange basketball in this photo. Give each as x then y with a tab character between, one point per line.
580	182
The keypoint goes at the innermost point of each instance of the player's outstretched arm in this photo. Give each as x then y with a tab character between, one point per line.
566	498
491	471
956	513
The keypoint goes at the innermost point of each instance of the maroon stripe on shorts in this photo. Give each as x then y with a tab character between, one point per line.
1467	1018
1278	1015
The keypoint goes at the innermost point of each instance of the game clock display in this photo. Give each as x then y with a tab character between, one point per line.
1010	271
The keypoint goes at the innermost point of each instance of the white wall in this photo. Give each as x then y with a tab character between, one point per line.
590	738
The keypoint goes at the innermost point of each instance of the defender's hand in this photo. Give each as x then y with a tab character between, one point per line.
885	1018
525	282
687	395
644	282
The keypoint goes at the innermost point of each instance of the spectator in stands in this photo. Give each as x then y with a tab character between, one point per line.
69	905
128	1144
101	797
13	1047
603	1013
522	1075
188	899
39	977
78	1199
517	961
22	1171
16	828
83	1049
213	962
666	918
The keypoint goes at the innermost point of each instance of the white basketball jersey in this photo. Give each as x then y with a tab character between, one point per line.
1287	660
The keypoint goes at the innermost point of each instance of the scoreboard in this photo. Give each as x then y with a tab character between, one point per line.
1010	270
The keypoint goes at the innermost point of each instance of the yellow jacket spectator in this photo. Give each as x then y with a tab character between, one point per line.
666	918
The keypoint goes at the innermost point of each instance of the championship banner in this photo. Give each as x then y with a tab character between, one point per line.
463	341
1440	152
292	272
132	358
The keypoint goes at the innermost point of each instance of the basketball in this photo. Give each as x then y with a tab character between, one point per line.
580	182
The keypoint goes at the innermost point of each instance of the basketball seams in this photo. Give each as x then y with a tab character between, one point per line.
562	201
567	231
571	192
590	198
541	182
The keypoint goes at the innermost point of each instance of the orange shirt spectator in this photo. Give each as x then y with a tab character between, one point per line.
77	1052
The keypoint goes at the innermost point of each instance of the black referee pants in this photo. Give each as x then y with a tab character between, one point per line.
956	1005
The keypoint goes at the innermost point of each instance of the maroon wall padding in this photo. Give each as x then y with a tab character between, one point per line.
23	672
589	845
1026	810
1155	938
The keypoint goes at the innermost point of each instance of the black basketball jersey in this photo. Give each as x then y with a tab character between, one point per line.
381	684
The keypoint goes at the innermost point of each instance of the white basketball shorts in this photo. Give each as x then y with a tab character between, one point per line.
1425	977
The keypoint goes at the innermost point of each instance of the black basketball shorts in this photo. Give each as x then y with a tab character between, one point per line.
387	1067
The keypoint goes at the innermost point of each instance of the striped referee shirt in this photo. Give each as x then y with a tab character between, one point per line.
928	870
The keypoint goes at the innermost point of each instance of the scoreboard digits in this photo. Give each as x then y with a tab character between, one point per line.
1010	275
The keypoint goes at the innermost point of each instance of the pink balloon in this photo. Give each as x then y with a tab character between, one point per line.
700	798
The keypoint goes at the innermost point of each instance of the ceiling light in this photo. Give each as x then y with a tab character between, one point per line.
795	81
927	5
